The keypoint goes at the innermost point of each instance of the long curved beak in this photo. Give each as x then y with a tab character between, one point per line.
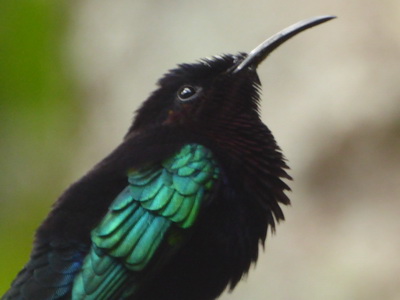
257	55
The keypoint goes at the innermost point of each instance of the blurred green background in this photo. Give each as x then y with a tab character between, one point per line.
72	73
39	123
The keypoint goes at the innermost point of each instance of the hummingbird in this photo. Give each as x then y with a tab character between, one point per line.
178	210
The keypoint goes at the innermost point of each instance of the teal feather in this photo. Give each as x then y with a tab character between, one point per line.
123	199
110	241
166	177
131	237
111	223
106	288
199	165
162	199
95	284
185	185
148	243
147	192
143	177
200	154
158	201
189	221
184	210
202	176
185	171
100	263
173	206
180	161
90	274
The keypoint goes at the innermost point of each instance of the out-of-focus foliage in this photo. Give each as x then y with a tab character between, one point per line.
38	123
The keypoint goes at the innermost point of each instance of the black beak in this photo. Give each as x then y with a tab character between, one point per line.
263	50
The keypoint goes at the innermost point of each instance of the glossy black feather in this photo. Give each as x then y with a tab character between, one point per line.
224	242
213	104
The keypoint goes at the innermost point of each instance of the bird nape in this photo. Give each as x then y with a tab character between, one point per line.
179	208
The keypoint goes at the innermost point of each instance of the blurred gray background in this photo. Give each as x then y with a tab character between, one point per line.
72	73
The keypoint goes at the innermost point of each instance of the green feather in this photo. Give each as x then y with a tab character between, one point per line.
128	243
111	223
184	210
148	243
181	161
100	262
201	153
185	171
123	199
202	176
189	221
110	241
162	199
173	205
159	203
93	283
185	185
166	177
143	177
147	192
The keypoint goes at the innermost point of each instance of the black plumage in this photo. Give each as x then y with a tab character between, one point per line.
178	210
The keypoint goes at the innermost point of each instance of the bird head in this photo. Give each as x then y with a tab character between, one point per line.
215	102
219	89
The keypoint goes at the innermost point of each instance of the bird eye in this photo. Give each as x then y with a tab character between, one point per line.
186	92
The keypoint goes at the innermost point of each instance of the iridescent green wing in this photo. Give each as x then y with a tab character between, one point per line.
157	200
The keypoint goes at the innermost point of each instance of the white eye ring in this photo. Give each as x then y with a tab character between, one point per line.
187	92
